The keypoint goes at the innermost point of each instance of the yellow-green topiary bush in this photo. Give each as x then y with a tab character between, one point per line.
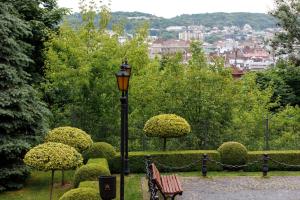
71	136
100	150
53	156
90	172
81	194
233	153
166	126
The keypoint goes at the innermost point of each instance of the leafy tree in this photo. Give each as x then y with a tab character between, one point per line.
42	18
287	42
22	114
251	106
285	128
52	156
285	79
81	86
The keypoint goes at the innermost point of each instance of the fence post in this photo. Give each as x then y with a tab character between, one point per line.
204	165
265	167
148	172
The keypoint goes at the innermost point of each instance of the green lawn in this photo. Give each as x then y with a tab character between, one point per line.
37	186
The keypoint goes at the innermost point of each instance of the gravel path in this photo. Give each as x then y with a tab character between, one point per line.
240	188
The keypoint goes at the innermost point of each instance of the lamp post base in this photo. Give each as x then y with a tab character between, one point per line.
126	170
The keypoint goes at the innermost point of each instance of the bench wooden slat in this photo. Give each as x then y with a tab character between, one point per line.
179	184
169	184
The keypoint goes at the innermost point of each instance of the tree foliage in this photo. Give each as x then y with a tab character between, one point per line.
81	87
288	41
22	114
43	18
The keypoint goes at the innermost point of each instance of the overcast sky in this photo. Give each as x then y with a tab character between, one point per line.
172	8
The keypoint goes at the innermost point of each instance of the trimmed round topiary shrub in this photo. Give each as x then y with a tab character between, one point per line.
53	156
100	150
81	194
90	172
167	126
233	153
71	136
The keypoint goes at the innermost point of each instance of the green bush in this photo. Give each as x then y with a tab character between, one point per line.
81	194
233	153
71	136
90	172
98	161
288	157
53	156
89	184
167	126
174	159
100	150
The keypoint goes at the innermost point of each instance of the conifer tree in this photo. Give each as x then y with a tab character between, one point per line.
22	114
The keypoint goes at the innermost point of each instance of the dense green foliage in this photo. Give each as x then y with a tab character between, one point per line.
42	18
168	161
287	41
100	150
71	136
80	194
91	171
22	114
166	126
285	79
53	156
81	87
233	153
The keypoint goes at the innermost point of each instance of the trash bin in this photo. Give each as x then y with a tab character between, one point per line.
107	187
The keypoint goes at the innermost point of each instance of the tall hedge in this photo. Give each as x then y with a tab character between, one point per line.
167	161
287	157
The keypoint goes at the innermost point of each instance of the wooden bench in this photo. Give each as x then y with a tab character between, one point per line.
169	185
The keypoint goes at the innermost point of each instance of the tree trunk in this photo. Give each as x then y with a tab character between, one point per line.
62	177
51	188
165	144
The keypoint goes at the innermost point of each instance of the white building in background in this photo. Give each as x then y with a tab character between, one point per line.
165	47
175	28
191	35
247	28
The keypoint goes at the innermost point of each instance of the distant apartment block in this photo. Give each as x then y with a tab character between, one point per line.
164	47
191	35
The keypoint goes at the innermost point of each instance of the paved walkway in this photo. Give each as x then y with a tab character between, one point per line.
240	188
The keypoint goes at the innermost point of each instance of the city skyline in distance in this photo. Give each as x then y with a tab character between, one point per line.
172	8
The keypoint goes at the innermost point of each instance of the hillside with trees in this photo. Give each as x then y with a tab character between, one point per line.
131	20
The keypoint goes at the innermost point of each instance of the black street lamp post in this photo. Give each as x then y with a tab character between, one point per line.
123	83
127	68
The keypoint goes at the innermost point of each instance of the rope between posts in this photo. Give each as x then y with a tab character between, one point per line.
234	166
284	164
